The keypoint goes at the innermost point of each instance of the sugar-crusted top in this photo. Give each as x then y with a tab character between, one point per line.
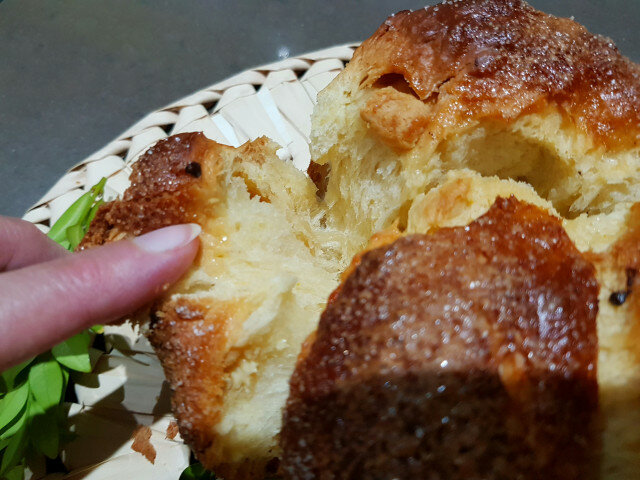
496	319
502	58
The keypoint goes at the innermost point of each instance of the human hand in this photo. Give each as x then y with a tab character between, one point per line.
48	294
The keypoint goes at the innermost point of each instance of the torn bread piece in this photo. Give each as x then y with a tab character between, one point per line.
229	332
615	240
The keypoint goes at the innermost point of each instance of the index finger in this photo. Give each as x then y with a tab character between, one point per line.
22	244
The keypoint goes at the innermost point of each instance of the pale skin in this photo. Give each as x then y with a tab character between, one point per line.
48	294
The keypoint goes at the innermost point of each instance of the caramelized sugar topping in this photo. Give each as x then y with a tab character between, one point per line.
501	58
471	351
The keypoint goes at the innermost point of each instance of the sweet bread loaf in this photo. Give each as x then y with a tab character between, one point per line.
441	112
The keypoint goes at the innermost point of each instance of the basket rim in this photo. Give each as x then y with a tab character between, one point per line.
121	144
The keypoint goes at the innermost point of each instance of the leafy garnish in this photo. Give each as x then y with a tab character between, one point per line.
12	404
14	425
31	394
8	376
97	329
44	432
14	452
16	473
78	216
46	383
74	352
196	471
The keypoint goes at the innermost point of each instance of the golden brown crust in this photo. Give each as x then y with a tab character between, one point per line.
162	192
379	239
497	59
170	184
470	352
190	340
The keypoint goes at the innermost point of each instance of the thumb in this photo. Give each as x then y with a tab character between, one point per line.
43	304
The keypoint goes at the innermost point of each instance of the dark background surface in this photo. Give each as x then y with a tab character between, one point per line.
76	73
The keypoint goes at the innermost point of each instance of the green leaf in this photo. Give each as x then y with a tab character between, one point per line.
65	378
97	329
14	453
74	235
43	431
16	473
74	353
65	244
92	214
14	425
9	375
196	471
12	404
46	382
75	214
80	213
98	189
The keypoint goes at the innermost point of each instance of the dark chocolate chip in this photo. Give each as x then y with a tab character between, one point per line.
618	298
194	169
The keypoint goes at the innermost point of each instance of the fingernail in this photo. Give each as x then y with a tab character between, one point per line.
168	238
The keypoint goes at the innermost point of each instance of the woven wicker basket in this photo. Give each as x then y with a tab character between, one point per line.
127	387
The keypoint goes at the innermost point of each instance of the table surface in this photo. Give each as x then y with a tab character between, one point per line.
76	73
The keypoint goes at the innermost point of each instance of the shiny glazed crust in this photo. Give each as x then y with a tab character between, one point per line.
498	59
468	353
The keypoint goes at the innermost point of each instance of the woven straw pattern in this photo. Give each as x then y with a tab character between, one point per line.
126	388
275	100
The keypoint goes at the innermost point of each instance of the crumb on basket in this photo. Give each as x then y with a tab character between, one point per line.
172	430
142	444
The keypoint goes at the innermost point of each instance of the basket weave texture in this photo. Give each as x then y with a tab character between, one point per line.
275	100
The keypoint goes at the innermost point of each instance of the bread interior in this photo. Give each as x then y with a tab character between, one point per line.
265	270
542	149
